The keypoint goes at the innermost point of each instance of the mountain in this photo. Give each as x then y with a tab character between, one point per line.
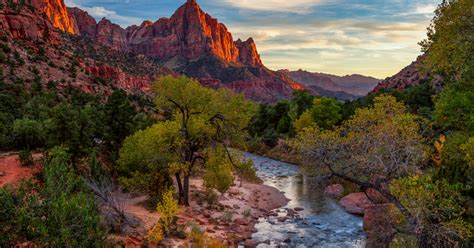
190	42
411	75
344	88
40	44
193	43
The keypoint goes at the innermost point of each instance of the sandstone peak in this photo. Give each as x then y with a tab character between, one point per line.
57	13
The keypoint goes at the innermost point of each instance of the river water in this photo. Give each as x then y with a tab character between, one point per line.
322	223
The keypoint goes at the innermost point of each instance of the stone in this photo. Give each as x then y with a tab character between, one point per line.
2	173
290	213
355	203
282	219
299	209
235	206
250	243
334	190
241	221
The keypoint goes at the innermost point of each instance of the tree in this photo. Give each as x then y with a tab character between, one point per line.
449	46
119	116
324	113
375	146
28	134
200	118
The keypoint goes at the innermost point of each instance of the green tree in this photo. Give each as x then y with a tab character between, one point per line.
449	46
200	118
28	134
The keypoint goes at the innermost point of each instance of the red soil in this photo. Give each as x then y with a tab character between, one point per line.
12	172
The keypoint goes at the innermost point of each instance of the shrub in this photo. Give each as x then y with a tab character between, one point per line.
168	208
226	217
25	157
155	234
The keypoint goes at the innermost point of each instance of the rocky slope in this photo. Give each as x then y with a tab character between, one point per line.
411	75
37	47
345	88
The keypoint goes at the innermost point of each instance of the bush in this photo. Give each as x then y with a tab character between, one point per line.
155	234
26	157
168	208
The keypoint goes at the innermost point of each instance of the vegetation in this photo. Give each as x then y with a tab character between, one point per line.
201	124
60	213
168	208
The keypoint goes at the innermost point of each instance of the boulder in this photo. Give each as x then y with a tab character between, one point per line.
334	191
355	203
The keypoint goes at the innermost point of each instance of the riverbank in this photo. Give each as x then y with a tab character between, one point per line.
230	220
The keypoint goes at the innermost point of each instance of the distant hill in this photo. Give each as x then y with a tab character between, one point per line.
342	87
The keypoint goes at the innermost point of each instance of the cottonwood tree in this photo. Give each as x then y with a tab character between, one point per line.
376	145
201	120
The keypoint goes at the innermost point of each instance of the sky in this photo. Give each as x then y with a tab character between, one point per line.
370	37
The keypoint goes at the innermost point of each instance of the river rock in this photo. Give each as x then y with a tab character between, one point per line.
250	243
355	203
334	191
290	213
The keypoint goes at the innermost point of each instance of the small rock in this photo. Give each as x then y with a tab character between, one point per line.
250	243
241	221
290	213
282	219
207	215
298	209
236	206
287	240
267	242
2	173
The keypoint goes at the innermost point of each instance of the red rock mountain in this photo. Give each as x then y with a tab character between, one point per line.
192	42
189	33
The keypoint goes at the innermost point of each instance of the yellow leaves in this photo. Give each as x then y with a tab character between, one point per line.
155	234
439	144
168	208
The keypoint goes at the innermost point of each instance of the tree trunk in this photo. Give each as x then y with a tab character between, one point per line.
180	188
186	190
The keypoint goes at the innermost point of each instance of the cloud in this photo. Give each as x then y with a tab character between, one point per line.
292	6
99	12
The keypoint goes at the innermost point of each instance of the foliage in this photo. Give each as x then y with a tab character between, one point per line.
449	47
199	118
58	214
454	166
167	208
145	156
155	234
455	108
218	173
26	157
439	207
28	133
382	140
275	121
201	240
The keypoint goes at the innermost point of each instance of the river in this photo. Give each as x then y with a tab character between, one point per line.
322	223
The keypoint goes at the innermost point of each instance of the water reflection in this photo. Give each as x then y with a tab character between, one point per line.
322	223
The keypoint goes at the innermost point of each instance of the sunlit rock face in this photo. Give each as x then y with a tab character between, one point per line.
189	33
57	13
